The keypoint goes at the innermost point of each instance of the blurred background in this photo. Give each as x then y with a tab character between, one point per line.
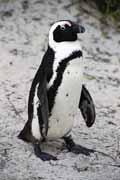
24	27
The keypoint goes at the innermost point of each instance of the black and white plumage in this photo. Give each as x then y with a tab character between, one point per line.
57	91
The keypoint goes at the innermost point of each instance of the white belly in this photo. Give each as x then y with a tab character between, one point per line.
66	101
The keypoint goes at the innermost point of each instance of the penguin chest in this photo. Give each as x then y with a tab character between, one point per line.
66	101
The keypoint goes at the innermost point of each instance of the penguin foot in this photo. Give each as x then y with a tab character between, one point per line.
75	148
42	155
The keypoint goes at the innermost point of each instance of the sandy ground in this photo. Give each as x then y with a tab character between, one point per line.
24	27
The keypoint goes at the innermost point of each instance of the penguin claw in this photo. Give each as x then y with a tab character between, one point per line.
75	148
46	157
42	155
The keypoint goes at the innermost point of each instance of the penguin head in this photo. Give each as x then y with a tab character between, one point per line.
64	31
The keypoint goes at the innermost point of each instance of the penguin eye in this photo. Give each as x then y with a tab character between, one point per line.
62	28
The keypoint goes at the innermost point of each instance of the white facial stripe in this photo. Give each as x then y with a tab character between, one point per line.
51	40
61	23
68	23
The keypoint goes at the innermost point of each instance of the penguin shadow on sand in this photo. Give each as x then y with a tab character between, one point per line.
57	92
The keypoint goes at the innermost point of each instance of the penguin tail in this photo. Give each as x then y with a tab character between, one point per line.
25	134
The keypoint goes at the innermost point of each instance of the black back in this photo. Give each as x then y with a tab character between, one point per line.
41	78
44	72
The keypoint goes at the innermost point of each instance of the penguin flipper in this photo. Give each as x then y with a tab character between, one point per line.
42	109
86	105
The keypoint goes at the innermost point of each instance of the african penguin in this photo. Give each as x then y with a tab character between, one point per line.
57	91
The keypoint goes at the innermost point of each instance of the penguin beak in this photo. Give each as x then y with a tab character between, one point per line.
78	28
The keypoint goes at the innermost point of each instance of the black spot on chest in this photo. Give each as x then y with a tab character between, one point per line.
68	72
